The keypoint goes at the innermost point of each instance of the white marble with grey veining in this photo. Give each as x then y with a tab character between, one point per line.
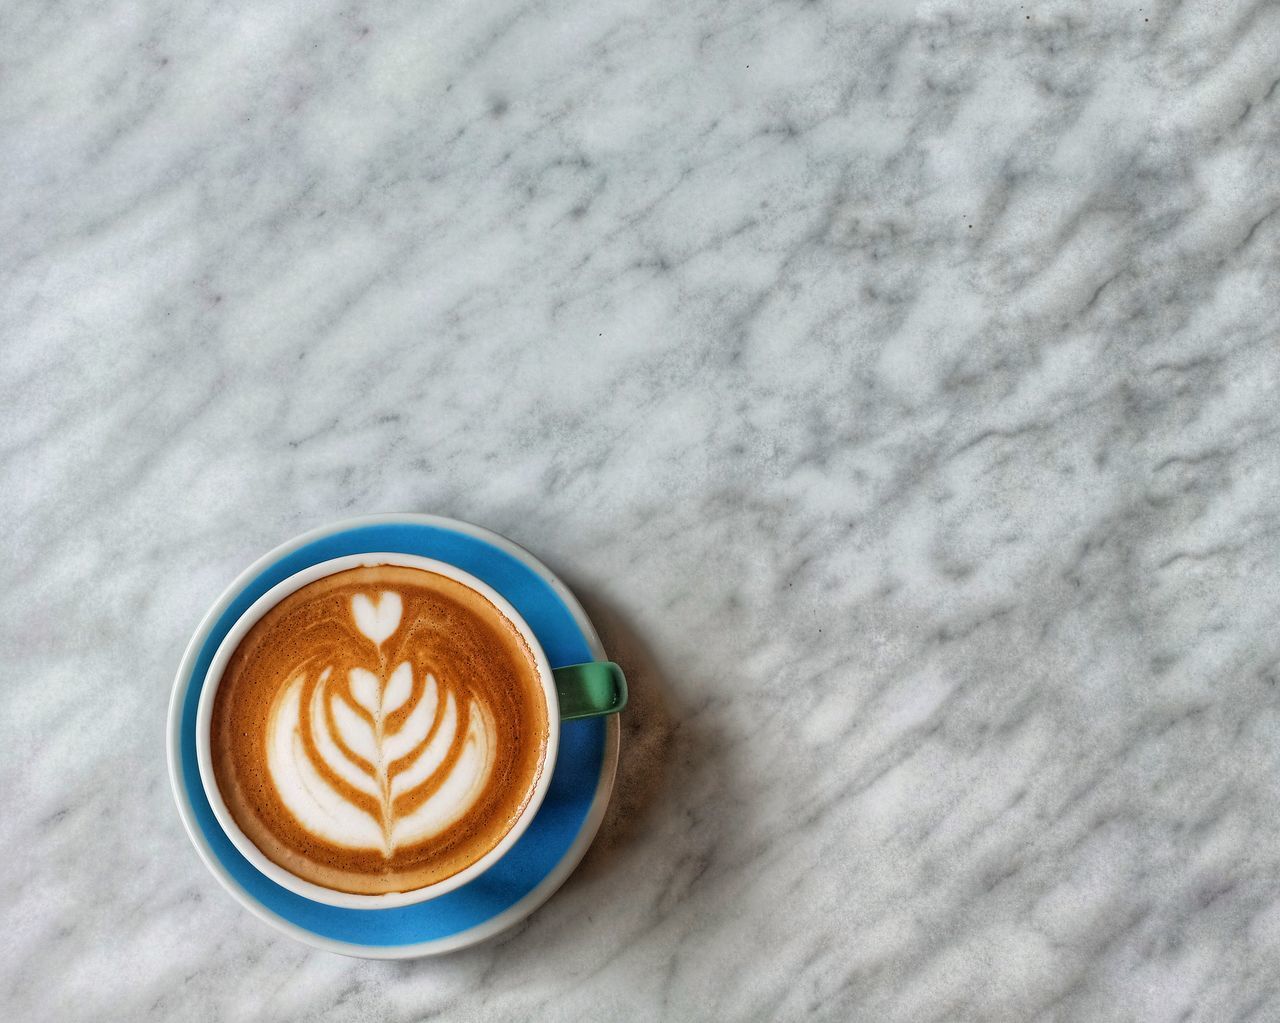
898	384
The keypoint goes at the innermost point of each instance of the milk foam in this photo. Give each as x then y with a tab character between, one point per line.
387	765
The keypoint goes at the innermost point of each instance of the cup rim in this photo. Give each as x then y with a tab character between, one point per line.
213	679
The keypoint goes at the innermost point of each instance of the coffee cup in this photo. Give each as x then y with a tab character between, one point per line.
581	690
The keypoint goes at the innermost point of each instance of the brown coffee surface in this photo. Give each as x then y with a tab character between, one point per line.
379	730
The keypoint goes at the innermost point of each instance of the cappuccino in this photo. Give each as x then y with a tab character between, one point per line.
379	730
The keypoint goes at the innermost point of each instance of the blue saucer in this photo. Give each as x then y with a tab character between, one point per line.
545	854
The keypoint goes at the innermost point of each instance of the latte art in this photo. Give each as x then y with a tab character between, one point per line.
379	730
385	760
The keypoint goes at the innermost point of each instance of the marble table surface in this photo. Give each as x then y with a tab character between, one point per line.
897	384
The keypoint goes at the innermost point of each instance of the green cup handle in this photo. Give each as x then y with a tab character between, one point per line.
591	689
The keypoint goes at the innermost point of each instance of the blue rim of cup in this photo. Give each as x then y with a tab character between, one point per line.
545	854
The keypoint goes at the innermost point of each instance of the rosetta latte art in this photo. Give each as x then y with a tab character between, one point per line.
379	729
373	757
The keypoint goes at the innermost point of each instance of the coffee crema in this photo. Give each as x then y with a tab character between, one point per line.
379	730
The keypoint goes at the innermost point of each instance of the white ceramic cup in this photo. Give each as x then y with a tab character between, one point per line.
204	718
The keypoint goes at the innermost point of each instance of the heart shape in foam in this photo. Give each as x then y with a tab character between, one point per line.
378	621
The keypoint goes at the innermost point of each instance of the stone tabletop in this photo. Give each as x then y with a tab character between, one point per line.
897	384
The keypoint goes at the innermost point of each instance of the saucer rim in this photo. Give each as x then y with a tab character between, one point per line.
483	931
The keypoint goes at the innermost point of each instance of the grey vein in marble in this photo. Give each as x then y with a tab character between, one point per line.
898	384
